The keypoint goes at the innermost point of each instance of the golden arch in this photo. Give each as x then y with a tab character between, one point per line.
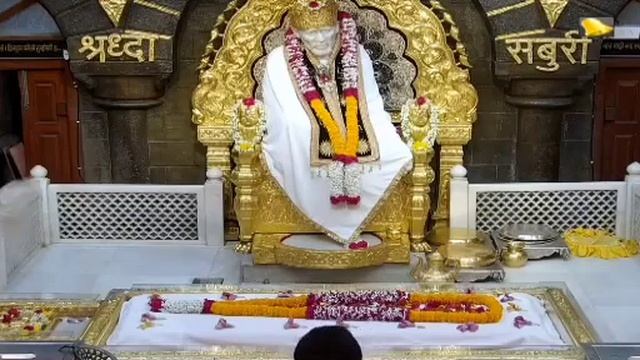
236	44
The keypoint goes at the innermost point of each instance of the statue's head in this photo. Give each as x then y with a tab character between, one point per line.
316	21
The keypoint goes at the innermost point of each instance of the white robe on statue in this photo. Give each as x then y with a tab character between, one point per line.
287	151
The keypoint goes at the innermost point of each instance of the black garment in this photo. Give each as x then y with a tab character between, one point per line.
328	343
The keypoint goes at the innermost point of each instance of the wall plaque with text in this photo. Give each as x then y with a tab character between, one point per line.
32	49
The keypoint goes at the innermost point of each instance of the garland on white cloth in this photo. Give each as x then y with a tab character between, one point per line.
344	173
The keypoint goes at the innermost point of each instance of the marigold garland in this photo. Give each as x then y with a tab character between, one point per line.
335	136
345	180
353	134
599	243
229	309
369	306
493	315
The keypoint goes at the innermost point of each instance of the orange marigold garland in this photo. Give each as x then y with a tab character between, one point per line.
390	306
456	308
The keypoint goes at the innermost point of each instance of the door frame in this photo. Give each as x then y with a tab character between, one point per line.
72	103
599	109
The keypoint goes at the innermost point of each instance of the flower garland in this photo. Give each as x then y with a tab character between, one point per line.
344	173
456	308
599	243
387	306
25	322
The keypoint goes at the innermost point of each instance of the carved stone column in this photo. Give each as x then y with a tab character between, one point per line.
542	92
540	104
127	100
544	63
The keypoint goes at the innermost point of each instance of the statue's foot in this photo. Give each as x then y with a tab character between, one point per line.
422	247
244	248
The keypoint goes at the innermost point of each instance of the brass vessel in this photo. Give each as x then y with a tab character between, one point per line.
436	270
468	249
515	255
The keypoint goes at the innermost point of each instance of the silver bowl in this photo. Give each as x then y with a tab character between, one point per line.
528	232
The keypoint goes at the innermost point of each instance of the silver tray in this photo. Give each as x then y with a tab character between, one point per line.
535	251
528	232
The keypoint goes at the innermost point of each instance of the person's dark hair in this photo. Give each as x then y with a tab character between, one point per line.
328	343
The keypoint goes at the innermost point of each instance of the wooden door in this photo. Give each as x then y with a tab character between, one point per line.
617	118
50	128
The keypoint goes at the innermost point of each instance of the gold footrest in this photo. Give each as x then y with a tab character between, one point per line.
331	259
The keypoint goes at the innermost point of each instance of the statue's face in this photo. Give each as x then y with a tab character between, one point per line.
320	42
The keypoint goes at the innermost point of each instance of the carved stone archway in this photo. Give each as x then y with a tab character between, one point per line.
542	96
124	87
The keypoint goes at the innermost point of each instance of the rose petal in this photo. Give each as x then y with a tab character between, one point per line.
229	296
422	101
291	324
223	324
249	102
404	324
506	298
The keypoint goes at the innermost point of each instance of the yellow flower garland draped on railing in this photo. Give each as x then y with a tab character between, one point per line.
600	244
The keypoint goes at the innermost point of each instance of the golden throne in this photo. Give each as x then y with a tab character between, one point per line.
416	50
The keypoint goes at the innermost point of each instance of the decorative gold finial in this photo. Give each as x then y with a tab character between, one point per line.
553	9
114	9
313	14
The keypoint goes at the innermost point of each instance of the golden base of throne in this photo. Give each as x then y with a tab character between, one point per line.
269	249
389	223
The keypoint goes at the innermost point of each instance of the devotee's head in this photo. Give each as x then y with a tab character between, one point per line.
316	21
328	343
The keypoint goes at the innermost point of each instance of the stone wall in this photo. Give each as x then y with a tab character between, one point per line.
491	154
175	156
94	131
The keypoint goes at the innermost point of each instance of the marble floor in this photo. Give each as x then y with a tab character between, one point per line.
607	291
96	269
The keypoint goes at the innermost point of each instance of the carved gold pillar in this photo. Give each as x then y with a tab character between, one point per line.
421	178
218	141
451	138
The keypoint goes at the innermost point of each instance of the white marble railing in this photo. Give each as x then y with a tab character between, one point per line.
123	213
22	227
612	206
633	200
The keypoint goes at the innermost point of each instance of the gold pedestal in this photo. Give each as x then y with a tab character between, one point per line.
470	252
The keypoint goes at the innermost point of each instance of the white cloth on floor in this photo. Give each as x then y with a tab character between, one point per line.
287	145
199	330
